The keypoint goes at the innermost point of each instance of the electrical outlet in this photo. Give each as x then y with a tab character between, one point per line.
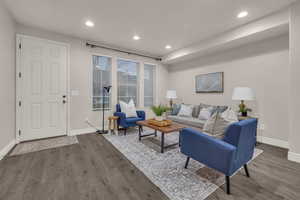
262	127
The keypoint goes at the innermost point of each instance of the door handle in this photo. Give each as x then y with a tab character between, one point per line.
64	101
64	96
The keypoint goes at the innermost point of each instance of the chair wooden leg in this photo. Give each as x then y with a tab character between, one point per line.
228	184
187	162
246	170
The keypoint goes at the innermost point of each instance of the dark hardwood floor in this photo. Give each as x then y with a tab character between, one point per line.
90	170
272	177
94	169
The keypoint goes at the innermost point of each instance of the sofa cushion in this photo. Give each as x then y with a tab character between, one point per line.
175	109
189	121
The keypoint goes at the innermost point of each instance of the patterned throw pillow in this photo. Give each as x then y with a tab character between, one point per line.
185	111
210	123
217	124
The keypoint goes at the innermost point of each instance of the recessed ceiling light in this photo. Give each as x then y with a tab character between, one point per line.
136	37
242	14
168	47
89	23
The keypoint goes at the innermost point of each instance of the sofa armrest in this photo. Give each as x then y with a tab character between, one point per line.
210	151
141	114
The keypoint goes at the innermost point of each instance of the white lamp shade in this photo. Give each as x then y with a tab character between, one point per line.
243	93
171	94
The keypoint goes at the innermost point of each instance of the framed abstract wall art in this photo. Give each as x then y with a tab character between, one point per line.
210	83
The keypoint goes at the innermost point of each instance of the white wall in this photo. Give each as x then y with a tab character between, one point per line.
81	74
262	66
294	140
7	80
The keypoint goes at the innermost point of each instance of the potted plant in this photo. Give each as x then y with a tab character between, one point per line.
244	110
159	111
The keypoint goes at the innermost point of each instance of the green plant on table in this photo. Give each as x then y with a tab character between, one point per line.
159	110
243	108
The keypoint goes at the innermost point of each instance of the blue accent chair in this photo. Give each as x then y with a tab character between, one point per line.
227	155
127	122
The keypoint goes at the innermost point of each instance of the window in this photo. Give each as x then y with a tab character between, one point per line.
101	78
149	87
127	80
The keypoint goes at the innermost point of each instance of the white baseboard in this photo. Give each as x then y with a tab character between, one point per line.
294	157
272	141
6	149
82	131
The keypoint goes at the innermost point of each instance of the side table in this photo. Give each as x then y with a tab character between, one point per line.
240	118
112	125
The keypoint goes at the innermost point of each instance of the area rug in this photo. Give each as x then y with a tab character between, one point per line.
167	170
38	145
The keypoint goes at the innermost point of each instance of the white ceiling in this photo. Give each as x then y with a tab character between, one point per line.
158	22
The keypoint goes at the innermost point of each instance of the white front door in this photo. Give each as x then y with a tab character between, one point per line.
42	88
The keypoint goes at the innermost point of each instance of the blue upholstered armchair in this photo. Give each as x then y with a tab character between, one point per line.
227	155
127	122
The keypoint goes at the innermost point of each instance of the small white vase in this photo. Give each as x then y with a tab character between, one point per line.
159	118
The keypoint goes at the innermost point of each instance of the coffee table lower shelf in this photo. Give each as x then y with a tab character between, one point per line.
163	130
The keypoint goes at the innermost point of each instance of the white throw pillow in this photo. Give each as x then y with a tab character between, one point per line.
129	109
229	115
205	113
185	111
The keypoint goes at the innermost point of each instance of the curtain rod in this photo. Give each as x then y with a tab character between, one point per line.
122	51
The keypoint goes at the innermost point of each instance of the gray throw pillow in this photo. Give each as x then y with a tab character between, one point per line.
214	108
175	109
196	111
221	109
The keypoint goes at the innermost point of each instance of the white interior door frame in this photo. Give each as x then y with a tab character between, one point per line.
19	38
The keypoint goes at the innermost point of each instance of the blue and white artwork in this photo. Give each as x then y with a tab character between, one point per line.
210	83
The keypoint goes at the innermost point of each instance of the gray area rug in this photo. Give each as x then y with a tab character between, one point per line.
38	145
167	170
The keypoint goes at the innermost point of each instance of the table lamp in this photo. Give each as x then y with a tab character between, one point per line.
171	94
243	94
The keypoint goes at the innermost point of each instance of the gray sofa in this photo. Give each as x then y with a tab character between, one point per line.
193	121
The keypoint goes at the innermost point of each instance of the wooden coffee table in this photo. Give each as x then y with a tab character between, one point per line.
174	127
